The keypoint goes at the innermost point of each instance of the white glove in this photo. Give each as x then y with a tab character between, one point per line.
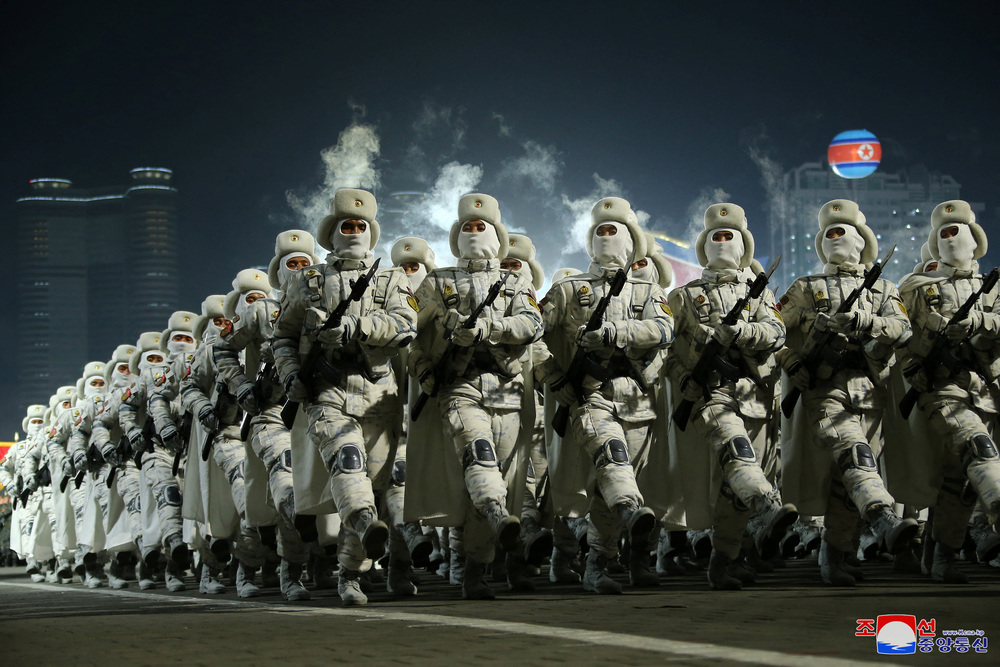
427	384
728	334
335	338
852	324
603	336
471	337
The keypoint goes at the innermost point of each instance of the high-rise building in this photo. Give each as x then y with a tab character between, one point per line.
897	206
96	267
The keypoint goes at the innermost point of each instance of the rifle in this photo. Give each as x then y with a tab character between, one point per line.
454	361
221	396
933	360
711	355
358	289
819	341
576	372
263	372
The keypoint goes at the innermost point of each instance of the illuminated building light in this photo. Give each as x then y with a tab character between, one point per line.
73	199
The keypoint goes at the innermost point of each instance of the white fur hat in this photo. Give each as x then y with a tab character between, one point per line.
564	272
181	320
665	270
287	242
616	209
477	206
349	204
412	249
65	393
521	248
92	369
247	280
846	212
121	355
959	212
149	340
211	308
36	411
925	256
725	216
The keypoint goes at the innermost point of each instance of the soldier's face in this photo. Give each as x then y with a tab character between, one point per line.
154	358
607	230
97	382
182	338
66	405
834	232
352	227
641	264
124	369
410	267
931	266
724	250
35	422
510	263
251	297
949	231
474	227
296	263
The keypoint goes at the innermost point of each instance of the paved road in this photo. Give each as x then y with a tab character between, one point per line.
786	618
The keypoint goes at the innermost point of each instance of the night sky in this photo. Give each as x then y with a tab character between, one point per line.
547	105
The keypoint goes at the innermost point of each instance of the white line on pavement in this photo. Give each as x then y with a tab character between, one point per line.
595	637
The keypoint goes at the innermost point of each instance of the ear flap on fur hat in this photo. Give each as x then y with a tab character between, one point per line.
846	212
477	206
959	212
618	210
412	249
349	204
664	269
725	216
287	242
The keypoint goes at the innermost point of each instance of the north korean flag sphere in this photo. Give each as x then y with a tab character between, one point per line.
854	154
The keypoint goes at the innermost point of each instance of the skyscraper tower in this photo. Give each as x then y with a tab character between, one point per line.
897	206
96	267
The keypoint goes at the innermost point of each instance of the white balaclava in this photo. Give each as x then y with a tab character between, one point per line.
35	425
120	380
647	273
417	276
846	248
351	246
285	273
242	307
959	250
724	254
89	390
612	251
177	347
479	245
144	361
61	409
